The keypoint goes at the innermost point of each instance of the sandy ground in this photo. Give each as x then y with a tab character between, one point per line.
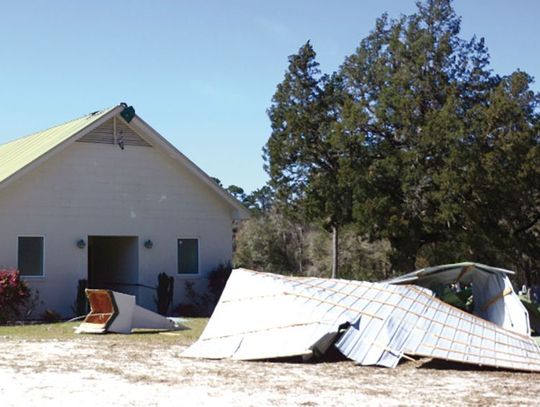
88	372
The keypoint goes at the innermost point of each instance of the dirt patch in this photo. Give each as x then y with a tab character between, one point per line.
90	371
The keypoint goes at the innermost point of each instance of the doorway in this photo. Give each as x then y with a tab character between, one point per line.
113	263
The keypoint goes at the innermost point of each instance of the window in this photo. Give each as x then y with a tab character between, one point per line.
30	259
188	256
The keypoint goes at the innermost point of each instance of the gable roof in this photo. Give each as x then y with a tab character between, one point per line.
22	155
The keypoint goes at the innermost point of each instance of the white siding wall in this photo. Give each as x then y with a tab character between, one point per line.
98	189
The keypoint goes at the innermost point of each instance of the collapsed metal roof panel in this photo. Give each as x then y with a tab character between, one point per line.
265	316
492	292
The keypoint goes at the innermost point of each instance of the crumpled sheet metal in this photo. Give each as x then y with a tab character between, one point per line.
494	297
266	316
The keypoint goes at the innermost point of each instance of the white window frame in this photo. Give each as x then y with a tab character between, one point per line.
42	275
189	275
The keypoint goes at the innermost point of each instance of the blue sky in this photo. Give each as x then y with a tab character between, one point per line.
203	73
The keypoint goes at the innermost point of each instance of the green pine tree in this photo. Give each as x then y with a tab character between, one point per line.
304	155
412	81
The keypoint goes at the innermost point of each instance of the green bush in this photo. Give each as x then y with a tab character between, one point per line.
164	290
275	244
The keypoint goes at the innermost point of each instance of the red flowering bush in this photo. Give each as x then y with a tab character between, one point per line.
14	295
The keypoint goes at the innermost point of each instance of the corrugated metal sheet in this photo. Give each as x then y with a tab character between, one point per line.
17	154
264	316
494	298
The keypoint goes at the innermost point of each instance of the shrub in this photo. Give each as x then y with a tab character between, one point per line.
165	290
195	305
80	307
273	243
202	305
14	295
217	279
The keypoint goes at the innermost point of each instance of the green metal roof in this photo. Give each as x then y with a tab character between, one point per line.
17	154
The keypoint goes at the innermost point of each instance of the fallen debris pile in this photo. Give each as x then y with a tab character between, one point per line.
266	316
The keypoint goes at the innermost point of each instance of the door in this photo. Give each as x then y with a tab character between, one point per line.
113	263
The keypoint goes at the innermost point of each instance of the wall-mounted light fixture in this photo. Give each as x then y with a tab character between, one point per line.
81	244
148	244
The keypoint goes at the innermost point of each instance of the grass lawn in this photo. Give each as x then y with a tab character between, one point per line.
65	331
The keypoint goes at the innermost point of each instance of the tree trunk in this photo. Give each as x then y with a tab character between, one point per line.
335	238
301	251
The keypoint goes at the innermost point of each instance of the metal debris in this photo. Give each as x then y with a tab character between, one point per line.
494	298
116	312
266	316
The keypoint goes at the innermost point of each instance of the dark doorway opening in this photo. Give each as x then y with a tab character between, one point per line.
113	263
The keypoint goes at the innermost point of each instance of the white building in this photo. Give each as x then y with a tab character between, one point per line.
107	199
